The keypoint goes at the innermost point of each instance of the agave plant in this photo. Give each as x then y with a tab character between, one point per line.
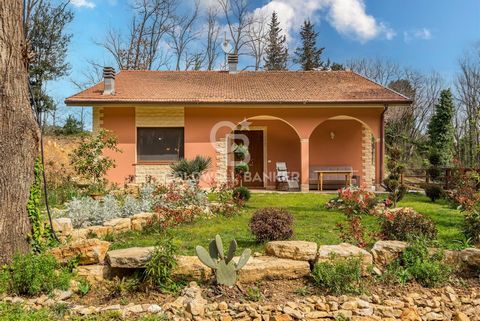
191	169
224	266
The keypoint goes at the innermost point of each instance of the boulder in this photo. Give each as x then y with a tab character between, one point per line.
140	220
89	251
273	268
62	226
119	225
384	252
93	273
345	250
294	250
131	258
79	234
471	257
99	231
190	267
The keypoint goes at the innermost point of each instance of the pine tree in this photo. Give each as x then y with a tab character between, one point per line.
276	50
309	56
440	128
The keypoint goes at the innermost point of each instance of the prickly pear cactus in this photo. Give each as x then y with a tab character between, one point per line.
224	266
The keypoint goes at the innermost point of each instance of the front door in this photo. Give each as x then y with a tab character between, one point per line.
255	148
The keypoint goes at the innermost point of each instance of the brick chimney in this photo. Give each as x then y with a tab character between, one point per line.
232	63
108	81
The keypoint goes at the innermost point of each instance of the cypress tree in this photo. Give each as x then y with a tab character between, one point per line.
308	55
440	128
276	50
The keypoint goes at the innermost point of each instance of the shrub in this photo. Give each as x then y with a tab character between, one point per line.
32	274
241	194
89	161
433	191
471	225
270	224
405	223
417	264
224	203
354	202
161	264
191	169
465	192
339	275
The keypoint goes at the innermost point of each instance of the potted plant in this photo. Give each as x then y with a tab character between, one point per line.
241	152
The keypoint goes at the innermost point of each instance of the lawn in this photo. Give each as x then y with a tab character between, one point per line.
312	222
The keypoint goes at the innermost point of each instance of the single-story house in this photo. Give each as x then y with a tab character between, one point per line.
308	120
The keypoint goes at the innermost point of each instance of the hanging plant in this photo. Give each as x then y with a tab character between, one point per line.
241	152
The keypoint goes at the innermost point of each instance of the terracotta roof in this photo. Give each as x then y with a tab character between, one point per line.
243	87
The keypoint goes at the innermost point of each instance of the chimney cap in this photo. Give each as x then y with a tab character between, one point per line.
108	72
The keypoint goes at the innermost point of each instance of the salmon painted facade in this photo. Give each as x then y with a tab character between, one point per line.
308	120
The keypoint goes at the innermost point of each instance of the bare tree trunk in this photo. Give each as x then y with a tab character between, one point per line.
18	133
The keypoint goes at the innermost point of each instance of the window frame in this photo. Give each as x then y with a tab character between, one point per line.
158	161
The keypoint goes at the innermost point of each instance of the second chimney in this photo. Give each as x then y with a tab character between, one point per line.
108	81
232	63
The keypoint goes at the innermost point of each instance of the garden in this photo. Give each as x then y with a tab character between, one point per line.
177	251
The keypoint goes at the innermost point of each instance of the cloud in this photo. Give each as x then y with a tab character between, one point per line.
422	34
83	3
348	17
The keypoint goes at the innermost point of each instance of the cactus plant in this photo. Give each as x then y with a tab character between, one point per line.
224	266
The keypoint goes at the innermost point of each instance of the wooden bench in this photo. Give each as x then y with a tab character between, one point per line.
336	176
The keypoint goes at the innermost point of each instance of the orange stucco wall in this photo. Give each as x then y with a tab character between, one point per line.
295	138
345	149
121	121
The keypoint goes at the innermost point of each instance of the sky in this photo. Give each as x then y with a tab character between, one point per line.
422	34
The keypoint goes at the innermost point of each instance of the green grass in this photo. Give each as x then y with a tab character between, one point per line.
312	222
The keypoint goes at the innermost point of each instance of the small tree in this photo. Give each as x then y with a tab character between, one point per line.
72	126
276	51
308	55
393	182
440	128
89	160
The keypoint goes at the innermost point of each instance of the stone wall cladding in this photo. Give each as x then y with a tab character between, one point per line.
221	174
157	117
97	119
161	172
160	116
368	165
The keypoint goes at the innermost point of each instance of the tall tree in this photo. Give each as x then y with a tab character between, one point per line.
45	31
140	48
257	38
440	128
212	47
19	133
238	19
276	51
308	55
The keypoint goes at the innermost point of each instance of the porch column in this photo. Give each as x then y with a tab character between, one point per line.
305	159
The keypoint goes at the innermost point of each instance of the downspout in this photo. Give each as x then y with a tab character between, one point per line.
382	143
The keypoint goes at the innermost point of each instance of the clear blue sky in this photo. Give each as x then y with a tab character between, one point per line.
423	34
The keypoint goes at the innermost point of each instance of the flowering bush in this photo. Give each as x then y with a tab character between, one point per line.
405	223
224	202
354	202
471	225
465	192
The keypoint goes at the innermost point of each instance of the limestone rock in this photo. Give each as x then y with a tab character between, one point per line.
93	273
131	258
272	268
119	225
99	231
89	251
460	316
62	226
140	220
79	234
295	250
384	252
190	267
345	250
410	314
471	257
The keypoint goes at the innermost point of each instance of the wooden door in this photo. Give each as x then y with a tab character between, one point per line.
255	147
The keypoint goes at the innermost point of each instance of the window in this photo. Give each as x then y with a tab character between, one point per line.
159	144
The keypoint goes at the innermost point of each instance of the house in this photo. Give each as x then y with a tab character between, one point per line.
309	120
